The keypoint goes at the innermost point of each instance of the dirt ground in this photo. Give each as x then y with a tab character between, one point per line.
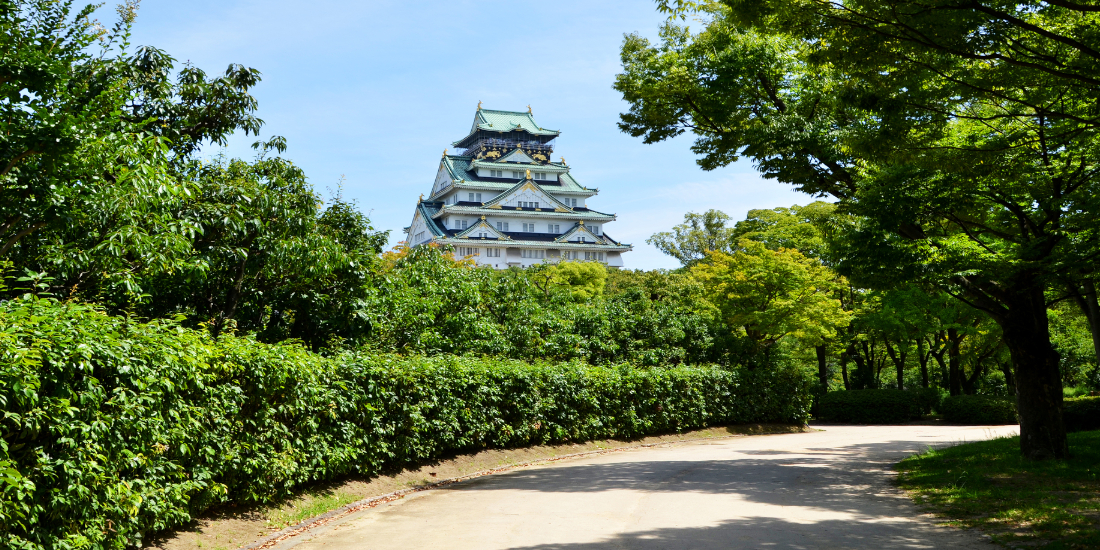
236	527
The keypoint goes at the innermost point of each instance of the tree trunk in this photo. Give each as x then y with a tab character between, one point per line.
822	368
1010	380
1092	313
898	357
844	366
923	363
970	383
1038	380
954	368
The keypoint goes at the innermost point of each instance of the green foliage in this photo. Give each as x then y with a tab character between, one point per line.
960	138
423	301
114	429
92	135
978	409
1082	413
580	280
870	406
773	293
699	235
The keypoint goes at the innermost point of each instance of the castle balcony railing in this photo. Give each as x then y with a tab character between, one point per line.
508	145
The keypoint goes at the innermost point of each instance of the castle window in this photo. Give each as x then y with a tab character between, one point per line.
497	173
553	228
535	254
528	228
517	174
502	226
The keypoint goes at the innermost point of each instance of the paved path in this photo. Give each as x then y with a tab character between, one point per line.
828	489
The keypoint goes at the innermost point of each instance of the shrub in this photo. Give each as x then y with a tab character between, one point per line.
115	429
1082	413
979	409
928	399
870	406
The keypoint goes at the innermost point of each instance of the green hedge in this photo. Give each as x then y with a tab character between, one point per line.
1082	413
871	406
114	429
979	409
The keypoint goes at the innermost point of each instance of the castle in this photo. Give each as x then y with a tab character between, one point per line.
502	201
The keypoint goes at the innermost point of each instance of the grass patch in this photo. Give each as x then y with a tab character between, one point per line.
988	485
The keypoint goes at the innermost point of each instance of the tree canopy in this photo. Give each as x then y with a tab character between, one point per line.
961	135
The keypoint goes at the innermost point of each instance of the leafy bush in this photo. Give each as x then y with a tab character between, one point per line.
1082	413
979	409
928	399
115	429
870	406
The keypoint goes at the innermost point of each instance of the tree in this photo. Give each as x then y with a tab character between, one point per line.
803	228
961	135
690	241
92	139
771	294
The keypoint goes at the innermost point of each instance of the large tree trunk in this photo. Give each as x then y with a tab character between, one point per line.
1092	313
822	368
1038	380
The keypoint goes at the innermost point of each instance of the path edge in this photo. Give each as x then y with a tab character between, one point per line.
370	502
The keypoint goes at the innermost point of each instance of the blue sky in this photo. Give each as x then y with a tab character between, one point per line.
374	91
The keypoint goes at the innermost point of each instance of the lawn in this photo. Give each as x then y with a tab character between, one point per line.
988	485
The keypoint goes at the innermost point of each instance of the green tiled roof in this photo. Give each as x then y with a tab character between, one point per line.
427	210
481	210
508	121
459	168
505	121
501	197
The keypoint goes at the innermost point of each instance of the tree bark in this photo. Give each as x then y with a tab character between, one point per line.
923	363
955	375
844	366
1092	313
1038	379
822	368
898	357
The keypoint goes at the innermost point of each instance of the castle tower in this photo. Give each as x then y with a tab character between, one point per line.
503	202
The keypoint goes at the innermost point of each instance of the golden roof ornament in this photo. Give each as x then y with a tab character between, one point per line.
483	218
479	104
528	173
421	198
444	152
529	109
563	161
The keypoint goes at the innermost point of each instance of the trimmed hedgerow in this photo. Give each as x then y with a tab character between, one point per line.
871	406
1081	413
979	409
114	429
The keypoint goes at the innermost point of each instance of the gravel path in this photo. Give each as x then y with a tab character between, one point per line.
827	489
